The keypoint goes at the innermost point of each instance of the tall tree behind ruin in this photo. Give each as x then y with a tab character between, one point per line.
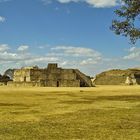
128	23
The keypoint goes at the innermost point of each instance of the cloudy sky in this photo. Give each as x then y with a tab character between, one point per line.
73	33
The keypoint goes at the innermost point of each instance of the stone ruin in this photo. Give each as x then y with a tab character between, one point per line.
118	77
52	76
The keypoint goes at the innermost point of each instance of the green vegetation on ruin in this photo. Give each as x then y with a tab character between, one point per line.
99	113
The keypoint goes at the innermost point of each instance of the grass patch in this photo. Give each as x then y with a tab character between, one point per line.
13	105
86	124
76	102
39	114
132	98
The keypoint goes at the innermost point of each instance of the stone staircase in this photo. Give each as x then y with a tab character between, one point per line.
85	80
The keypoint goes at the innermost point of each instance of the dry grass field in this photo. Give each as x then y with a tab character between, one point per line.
99	113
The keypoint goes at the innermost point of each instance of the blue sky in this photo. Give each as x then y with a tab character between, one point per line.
73	33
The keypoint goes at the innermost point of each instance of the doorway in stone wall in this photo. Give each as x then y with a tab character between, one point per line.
24	79
57	83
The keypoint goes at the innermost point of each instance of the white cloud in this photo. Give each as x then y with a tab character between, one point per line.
76	51
22	57
134	54
102	3
4	47
65	56
23	48
2	19
41	60
6	56
76	57
87	60
94	3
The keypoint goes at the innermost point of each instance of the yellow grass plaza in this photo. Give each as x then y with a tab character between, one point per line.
43	113
69	69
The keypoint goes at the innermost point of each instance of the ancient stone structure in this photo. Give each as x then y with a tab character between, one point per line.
118	77
52	76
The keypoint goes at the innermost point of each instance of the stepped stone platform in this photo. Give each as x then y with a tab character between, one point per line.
52	76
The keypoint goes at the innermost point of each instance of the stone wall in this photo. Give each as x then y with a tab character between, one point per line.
25	84
69	83
50	77
68	76
22	75
37	75
51	83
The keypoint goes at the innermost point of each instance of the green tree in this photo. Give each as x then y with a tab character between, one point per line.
128	20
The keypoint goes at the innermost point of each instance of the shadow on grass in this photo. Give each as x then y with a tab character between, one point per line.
76	102
114	98
15	105
24	112
120	124
90	100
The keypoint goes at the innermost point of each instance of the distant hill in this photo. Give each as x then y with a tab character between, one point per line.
117	76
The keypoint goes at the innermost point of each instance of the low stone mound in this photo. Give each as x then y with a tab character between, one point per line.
118	77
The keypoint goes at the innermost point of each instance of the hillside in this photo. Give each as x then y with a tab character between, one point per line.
117	76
